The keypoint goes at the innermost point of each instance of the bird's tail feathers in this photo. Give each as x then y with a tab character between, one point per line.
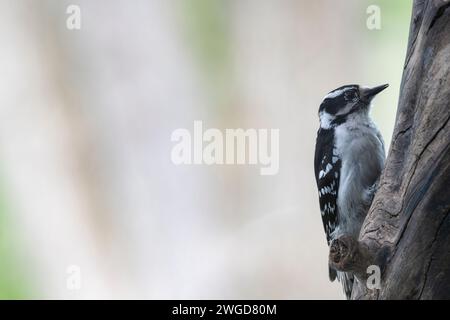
346	279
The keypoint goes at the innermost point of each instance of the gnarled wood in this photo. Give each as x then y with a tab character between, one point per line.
347	254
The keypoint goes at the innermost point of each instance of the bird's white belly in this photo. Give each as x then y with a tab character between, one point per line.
362	156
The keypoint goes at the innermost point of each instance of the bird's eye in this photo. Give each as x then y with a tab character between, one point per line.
351	95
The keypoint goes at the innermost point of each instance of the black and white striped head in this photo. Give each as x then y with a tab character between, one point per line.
341	102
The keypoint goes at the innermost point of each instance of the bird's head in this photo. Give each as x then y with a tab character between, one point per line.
344	101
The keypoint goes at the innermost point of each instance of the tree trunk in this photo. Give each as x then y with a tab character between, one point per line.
407	231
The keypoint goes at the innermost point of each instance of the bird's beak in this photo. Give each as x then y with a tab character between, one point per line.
368	94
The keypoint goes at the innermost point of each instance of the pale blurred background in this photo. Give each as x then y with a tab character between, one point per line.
86	117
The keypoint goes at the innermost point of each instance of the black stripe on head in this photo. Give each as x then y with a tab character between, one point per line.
338	98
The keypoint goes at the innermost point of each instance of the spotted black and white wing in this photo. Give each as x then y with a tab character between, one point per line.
327	166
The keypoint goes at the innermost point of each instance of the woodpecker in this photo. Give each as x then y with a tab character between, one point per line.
348	161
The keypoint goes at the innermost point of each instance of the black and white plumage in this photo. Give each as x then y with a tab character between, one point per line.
348	161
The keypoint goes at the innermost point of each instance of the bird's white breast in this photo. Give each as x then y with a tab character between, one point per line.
361	151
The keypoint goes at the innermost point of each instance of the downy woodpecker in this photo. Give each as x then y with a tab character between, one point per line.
348	161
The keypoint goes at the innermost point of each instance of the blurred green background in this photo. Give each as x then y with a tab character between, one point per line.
85	125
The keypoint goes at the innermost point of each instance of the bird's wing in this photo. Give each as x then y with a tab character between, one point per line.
327	171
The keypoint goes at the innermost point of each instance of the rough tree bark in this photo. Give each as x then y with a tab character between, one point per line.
407	230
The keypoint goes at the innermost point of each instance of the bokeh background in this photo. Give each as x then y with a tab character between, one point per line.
86	117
